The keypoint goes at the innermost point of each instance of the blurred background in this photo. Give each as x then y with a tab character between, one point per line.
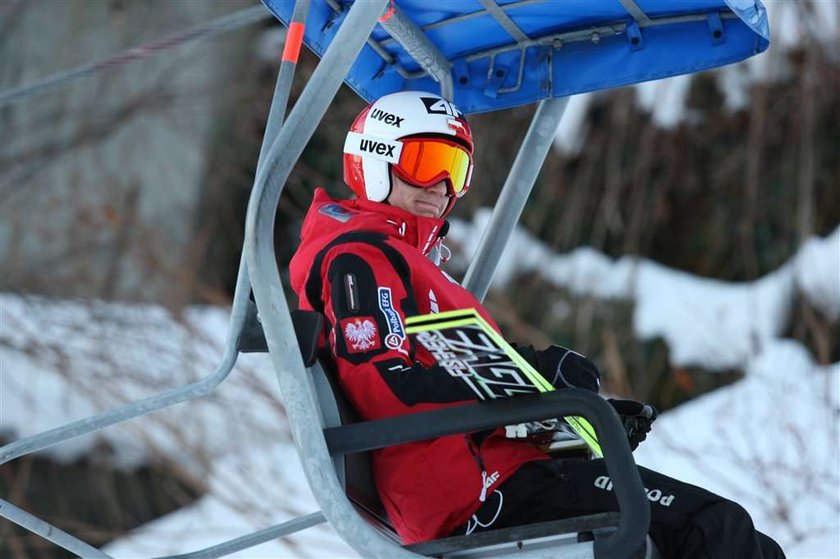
122	207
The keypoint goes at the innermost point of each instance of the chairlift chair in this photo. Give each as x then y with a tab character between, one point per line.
484	55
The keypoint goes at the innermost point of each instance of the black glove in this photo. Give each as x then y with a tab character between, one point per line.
636	418
564	368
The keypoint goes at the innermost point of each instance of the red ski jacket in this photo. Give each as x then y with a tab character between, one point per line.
364	265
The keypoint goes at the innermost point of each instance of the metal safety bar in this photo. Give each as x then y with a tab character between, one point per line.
479	416
518	186
49	532
250	540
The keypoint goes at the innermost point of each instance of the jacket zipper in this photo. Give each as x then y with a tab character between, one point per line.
476	454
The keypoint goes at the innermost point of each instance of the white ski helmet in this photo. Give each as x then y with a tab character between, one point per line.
373	142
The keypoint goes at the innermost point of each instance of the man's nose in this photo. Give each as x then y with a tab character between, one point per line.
439	188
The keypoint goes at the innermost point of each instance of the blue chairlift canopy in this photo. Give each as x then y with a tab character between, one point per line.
506	53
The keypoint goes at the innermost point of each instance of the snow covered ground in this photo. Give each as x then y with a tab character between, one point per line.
769	441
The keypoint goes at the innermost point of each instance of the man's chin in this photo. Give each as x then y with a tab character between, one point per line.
427	210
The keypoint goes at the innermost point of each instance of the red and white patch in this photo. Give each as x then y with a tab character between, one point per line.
361	334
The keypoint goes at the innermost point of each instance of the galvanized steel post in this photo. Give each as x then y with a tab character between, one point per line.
515	192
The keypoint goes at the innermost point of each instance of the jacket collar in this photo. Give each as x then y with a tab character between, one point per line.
418	231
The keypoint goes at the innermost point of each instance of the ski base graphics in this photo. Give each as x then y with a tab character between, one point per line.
467	346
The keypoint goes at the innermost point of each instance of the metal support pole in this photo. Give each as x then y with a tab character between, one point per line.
417	44
295	387
514	194
285	76
279	531
50	532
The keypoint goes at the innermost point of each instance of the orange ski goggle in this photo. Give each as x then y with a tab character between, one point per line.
426	161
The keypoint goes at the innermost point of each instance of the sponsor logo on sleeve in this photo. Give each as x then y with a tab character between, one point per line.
360	333
336	212
396	331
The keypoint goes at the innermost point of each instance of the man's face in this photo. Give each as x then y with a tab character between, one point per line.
428	201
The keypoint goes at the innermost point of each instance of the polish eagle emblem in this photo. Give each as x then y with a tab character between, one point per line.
361	334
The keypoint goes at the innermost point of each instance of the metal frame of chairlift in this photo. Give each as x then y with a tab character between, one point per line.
258	273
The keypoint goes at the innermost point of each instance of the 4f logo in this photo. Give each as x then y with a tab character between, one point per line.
438	106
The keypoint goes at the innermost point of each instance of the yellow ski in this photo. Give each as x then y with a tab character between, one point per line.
467	346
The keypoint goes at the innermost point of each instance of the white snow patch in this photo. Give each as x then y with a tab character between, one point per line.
251	491
769	442
817	272
705	322
664	99
67	360
572	130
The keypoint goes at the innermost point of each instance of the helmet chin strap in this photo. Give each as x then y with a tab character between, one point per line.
449	205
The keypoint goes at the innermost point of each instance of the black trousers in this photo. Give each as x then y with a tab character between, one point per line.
687	522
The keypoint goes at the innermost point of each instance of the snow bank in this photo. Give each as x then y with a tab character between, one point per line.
714	324
817	273
261	487
62	361
66	360
768	442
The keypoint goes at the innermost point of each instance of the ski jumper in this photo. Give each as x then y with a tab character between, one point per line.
364	265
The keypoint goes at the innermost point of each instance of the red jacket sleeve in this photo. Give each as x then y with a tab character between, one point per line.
367	297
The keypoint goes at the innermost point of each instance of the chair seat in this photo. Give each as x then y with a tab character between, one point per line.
540	534
355	475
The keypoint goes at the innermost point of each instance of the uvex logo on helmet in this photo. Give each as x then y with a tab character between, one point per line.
379	148
371	143
387	118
